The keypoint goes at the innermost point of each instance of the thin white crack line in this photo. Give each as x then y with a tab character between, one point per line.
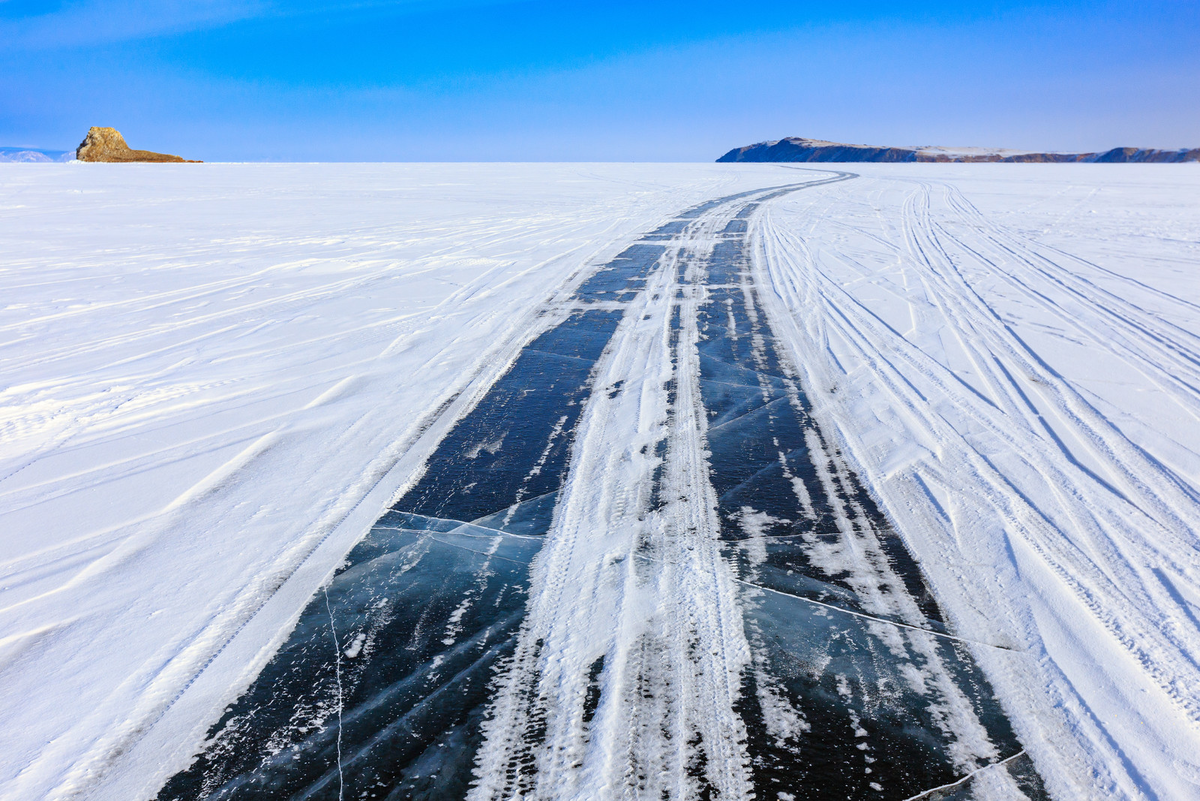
481	553
863	614
337	650
493	531
964	779
872	617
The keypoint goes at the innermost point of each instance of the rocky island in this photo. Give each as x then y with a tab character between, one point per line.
107	145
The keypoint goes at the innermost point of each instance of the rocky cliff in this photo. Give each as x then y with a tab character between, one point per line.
107	144
798	149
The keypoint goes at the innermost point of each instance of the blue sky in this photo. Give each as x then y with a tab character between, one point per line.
651	81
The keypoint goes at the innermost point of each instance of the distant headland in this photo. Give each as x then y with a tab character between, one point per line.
797	149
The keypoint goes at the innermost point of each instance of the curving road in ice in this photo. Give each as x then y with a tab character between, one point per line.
718	609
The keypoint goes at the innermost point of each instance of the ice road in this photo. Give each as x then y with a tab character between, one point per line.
600	481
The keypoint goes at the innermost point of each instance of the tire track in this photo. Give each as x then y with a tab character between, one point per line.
1095	553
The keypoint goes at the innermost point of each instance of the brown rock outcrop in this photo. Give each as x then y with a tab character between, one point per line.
107	144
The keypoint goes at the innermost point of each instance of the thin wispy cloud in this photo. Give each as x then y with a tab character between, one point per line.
98	22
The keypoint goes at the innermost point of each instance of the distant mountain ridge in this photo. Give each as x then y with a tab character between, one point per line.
34	155
796	148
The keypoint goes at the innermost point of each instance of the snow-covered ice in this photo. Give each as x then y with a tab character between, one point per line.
1012	357
215	378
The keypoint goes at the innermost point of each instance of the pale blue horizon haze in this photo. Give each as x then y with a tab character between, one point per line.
322	80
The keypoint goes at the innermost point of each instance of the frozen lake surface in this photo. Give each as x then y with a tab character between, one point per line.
582	481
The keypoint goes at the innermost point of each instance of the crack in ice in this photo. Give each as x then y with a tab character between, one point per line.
337	648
